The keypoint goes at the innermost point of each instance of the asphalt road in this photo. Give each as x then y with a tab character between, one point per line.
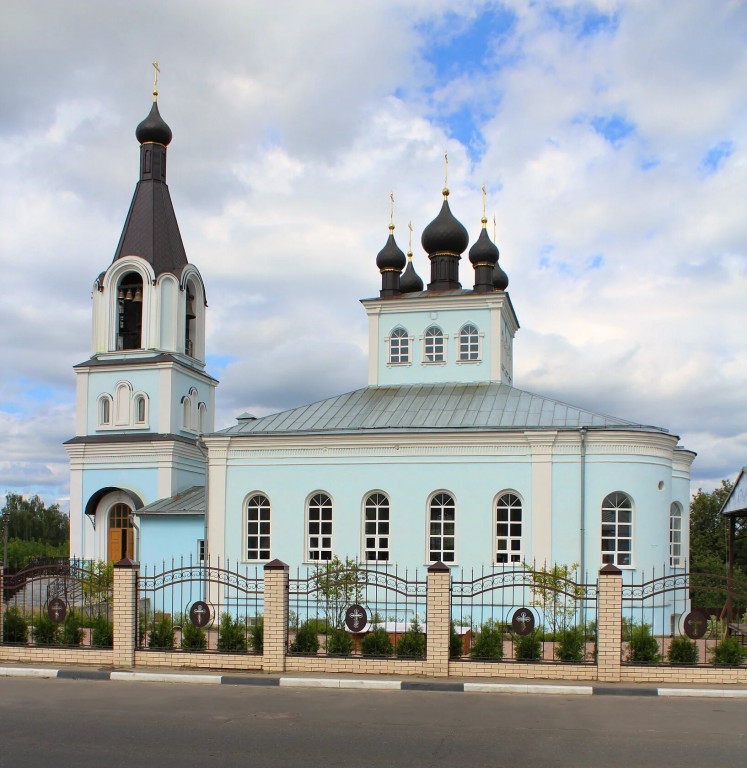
110	724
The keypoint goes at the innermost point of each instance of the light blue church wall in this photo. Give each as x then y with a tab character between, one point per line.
473	481
105	382
450	322
167	537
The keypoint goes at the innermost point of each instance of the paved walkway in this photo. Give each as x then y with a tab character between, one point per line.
299	680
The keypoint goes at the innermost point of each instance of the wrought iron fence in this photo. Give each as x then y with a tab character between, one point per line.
59	603
344	609
679	617
524	613
209	606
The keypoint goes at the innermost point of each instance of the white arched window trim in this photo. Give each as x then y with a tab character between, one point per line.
434	346
676	533
617	529
508	528
257	526
319	520
376	527
469	344
441	513
399	347
104	411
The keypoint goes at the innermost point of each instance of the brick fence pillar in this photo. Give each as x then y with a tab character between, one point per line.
609	624
438	620
275	642
125	612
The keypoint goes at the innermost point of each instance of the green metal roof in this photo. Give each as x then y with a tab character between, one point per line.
488	406
189	502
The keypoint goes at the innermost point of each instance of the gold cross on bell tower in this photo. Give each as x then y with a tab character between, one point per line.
156	71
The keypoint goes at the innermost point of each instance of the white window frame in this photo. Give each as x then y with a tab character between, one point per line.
675	536
104	408
478	342
257	528
319	552
200	550
508	529
442	525
616	531
402	337
376	528
424	343
135	409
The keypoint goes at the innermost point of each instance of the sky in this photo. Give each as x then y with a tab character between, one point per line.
610	136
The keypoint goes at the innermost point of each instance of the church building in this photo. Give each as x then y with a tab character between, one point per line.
440	458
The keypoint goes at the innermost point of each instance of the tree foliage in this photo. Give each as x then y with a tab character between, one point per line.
338	582
555	592
34	529
709	530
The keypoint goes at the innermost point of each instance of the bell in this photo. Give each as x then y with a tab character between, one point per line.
128	295
138	294
120	296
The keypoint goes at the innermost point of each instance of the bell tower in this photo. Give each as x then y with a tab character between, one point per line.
144	396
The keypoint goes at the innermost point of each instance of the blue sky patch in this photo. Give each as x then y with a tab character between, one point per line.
583	21
716	155
614	128
219	362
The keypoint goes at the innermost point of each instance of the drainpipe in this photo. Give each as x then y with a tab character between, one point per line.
203	450
582	558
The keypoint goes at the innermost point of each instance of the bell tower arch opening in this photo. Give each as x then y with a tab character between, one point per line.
130	311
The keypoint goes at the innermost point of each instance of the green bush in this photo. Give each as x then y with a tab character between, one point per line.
257	635
643	647
194	638
231	634
729	652
377	643
571	644
46	632
489	642
15	628
339	643
162	634
455	643
306	640
528	647
682	650
319	626
102	632
411	644
72	634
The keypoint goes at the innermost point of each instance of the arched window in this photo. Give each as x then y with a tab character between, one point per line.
376	528
433	345
441	528
319	527
675	536
508	523
105	411
130	311
617	529
258	528
399	346
186	413
140	410
469	343
202	414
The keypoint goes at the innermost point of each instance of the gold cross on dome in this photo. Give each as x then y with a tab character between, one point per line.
156	71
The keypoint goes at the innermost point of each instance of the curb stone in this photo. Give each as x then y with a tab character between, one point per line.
359	684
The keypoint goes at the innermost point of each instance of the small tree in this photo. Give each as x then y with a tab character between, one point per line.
231	634
162	634
489	642
571	644
729	652
377	643
102	632
528	647
411	644
98	583
682	650
306	640
257	634
46	632
339	642
194	638
555	591
15	628
643	647
338	582
72	634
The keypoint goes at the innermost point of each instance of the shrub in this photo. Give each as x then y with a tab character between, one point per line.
682	650
102	632
643	648
257	635
306	640
411	644
376	643
339	643
72	634
15	629
194	638
729	652
571	644
46	632
162	634
455	643
489	642
231	634
528	647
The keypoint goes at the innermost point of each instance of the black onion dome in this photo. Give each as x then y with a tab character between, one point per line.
445	234
410	282
390	256
484	251
500	278
154	128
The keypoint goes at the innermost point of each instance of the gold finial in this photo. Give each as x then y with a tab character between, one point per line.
391	211
493	227
156	70
409	241
446	175
484	218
